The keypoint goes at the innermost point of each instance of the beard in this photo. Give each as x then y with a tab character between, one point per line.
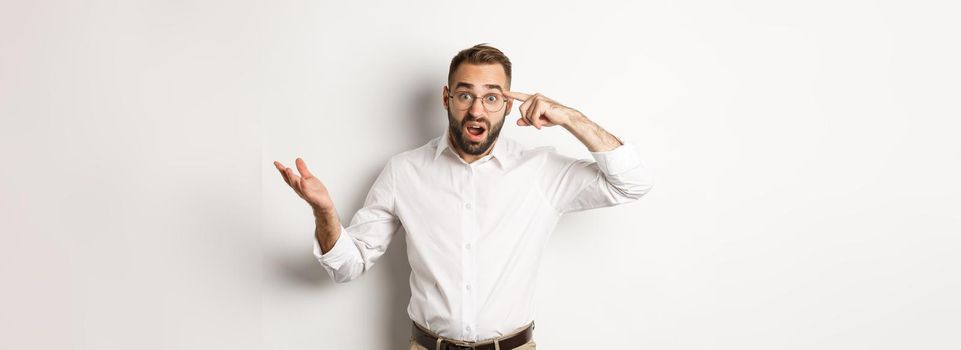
466	145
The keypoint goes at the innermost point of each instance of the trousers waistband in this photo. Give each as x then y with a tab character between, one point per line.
433	341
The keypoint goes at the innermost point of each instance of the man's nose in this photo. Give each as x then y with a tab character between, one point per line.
477	107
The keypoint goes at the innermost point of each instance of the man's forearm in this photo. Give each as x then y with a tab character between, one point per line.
591	135
328	228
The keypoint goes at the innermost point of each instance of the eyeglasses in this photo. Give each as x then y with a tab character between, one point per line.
492	102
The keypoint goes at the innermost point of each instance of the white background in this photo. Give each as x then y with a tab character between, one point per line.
806	156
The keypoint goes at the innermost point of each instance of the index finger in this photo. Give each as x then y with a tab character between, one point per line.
520	96
283	173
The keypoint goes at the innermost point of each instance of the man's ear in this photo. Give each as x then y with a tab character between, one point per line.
444	97
510	101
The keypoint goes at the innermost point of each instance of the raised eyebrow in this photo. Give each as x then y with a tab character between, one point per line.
494	86
461	84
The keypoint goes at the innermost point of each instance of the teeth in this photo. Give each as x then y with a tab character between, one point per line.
475	129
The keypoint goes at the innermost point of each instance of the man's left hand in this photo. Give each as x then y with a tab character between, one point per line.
540	111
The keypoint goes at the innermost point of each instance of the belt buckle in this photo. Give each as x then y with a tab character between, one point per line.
454	346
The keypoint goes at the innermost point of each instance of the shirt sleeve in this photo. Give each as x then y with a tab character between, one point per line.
367	236
614	177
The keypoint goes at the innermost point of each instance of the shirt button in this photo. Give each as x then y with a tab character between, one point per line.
467	246
467	205
468	286
467	328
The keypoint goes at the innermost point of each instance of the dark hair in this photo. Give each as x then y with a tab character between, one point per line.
481	54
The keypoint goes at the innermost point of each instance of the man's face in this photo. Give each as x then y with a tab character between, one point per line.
481	81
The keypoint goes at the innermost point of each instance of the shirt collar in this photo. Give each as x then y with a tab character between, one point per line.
500	151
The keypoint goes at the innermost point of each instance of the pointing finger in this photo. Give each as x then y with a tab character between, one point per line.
520	96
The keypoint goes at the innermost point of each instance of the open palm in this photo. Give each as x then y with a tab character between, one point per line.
306	185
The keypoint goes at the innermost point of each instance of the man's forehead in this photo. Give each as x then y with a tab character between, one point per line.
489	76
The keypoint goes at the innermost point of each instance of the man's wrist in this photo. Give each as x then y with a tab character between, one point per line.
327	229
322	212
576	117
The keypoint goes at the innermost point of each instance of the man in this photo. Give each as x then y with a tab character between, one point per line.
478	209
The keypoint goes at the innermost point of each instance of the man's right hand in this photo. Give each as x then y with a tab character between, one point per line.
307	186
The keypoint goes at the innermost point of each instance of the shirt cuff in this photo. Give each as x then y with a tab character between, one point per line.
337	255
623	158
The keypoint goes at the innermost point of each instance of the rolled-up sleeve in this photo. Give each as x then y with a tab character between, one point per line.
342	252
367	236
614	177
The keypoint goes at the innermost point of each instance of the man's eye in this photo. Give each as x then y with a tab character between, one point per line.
464	96
491	98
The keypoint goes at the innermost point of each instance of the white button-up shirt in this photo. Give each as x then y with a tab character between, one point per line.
476	232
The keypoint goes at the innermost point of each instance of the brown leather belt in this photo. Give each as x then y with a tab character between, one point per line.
429	341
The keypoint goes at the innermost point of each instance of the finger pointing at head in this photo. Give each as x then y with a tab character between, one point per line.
520	96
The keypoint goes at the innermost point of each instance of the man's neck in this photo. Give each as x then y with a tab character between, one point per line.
468	158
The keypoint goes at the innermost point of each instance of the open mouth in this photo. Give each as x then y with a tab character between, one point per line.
475	131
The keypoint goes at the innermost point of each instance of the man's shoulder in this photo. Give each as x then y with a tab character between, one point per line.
415	155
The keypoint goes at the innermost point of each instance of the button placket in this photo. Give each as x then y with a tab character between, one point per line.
469	312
